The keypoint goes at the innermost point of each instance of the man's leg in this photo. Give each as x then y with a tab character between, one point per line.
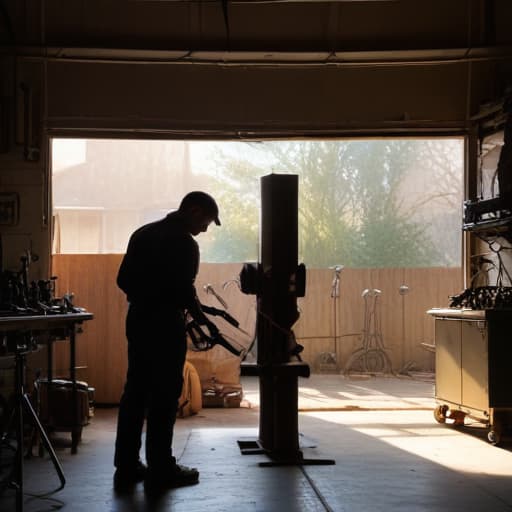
131	413
130	423
167	384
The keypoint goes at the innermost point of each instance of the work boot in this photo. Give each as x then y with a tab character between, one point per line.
127	476
177	476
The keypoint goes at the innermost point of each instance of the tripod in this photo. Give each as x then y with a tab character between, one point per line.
23	406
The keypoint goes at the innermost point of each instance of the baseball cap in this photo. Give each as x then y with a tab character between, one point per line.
205	201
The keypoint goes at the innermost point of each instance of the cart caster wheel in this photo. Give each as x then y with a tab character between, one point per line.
494	437
440	413
457	417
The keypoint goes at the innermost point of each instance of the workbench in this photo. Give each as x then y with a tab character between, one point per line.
47	329
473	358
43	329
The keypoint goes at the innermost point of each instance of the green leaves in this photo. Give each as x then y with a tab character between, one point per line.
363	203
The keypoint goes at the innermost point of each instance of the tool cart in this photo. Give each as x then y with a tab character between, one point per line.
473	367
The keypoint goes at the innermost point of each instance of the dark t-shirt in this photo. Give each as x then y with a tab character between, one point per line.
160	265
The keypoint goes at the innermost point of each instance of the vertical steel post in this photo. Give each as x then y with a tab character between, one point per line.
277	303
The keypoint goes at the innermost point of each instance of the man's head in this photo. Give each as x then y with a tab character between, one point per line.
200	210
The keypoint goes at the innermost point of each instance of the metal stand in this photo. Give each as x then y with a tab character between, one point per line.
372	356
277	282
23	405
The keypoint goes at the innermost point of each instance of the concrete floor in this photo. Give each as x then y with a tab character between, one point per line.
390	454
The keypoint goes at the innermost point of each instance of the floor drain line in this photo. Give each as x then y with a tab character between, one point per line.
184	446
320	496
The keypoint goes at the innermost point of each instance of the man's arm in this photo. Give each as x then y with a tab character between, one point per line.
193	305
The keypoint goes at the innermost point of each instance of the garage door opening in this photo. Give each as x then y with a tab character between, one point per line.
375	215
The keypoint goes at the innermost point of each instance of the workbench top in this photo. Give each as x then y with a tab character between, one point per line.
464	313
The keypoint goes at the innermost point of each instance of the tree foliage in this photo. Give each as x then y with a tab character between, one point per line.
357	200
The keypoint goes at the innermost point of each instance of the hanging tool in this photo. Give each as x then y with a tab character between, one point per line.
208	288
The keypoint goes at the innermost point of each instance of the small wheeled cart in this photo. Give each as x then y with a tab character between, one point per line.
474	367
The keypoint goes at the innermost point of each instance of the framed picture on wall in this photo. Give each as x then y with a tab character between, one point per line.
9	209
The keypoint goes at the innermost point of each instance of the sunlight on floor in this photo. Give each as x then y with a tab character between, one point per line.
417	433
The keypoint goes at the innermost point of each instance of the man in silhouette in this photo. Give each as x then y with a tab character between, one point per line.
157	274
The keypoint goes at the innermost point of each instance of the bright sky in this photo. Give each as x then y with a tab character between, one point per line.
67	152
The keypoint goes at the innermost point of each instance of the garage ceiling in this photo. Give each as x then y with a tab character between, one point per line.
243	66
271	25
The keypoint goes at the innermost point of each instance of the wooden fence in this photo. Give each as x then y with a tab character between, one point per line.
330	329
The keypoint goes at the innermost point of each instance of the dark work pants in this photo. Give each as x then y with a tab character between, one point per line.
156	356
